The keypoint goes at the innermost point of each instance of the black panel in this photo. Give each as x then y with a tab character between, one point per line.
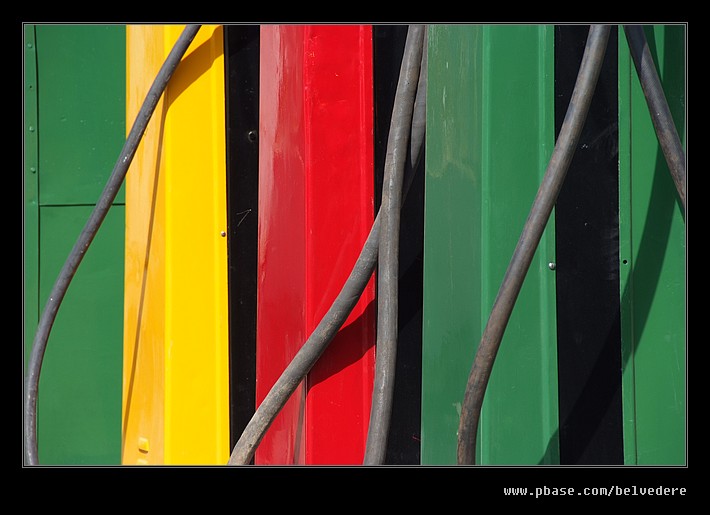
403	446
242	106
587	231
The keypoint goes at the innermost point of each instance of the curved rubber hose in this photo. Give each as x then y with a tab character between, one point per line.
87	235
388	268
330	324
658	106
309	353
416	141
529	239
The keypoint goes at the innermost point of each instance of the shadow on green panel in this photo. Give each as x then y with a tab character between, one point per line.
641	289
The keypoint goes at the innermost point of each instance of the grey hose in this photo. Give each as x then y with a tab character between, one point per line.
39	345
330	324
658	106
528	242
388	270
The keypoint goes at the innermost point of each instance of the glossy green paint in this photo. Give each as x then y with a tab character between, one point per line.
30	220
77	106
80	387
82	114
490	133
652	262
452	233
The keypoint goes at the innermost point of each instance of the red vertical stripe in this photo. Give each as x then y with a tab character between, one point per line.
316	208
282	246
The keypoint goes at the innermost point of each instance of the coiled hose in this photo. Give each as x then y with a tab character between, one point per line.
347	298
527	244
49	315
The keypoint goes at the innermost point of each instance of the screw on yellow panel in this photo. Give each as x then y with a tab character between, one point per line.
176	348
143	444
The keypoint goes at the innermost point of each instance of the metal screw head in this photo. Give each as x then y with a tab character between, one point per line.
551	265
223	234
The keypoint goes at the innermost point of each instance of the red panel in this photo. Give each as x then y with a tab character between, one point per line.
282	246
316	203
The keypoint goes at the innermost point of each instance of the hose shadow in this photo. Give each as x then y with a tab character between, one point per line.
191	67
643	281
357	337
195	64
144	276
354	340
641	288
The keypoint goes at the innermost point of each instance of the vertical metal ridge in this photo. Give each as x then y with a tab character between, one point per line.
587	272
242	145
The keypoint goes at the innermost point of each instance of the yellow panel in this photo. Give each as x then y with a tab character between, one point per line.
176	391
144	291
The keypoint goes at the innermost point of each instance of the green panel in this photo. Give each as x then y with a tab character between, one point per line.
74	108
452	233
490	134
29	174
82	72
653	256
520	412
80	388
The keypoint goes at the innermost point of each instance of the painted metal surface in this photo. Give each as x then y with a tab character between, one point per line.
315	211
587	264
84	65
30	220
74	98
79	416
652	262
241	47
145	303
490	117
403	442
176	385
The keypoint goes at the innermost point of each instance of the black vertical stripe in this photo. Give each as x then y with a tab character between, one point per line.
587	247
403	444
241	44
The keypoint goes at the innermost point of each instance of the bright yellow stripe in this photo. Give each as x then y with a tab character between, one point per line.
144	293
193	256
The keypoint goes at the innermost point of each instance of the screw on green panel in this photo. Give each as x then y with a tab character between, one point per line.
653	254
31	211
490	133
82	76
